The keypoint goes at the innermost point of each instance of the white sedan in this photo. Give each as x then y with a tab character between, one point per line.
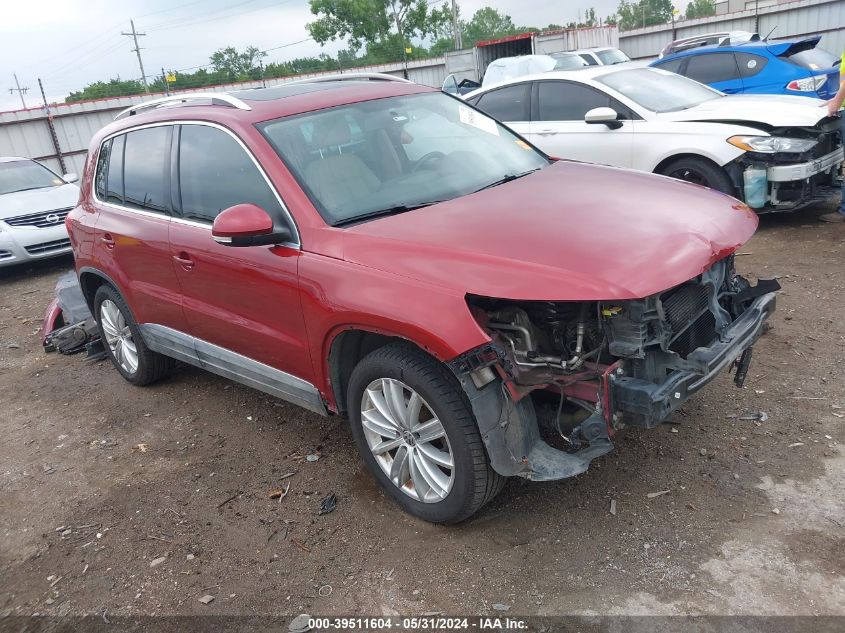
34	203
777	153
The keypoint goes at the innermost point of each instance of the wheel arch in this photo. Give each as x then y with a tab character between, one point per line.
346	346
90	280
730	168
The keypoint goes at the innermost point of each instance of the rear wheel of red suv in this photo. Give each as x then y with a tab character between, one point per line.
123	341
417	435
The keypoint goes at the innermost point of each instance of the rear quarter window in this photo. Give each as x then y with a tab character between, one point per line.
750	65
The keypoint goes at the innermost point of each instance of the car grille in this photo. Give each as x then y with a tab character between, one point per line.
42	220
47	247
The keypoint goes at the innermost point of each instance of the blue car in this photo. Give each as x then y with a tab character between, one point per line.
784	67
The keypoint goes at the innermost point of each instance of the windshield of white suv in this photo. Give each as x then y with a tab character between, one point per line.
659	90
612	56
22	175
393	155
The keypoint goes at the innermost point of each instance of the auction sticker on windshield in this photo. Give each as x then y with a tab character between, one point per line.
476	119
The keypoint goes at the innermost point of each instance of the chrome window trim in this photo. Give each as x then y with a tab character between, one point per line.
294	244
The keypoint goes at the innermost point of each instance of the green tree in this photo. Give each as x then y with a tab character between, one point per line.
383	26
487	24
237	65
635	15
701	9
113	88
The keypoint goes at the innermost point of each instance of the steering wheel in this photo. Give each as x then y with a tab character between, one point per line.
427	158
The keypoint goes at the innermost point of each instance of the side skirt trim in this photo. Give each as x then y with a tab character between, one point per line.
233	366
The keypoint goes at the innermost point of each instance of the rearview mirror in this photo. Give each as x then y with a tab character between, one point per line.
247	225
71	177
606	116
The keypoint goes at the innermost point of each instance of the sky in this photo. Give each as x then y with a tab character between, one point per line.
71	43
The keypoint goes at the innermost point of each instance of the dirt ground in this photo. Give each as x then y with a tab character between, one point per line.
99	479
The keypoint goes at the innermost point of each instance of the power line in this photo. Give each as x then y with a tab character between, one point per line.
137	51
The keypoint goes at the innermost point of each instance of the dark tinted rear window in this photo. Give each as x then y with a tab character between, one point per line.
102	163
114	191
145	169
506	104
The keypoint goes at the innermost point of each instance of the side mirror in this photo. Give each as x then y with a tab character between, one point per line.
605	116
71	177
247	225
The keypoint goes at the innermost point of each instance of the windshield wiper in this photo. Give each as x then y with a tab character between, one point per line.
380	213
506	179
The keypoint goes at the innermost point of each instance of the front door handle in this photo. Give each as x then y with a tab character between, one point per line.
184	260
108	240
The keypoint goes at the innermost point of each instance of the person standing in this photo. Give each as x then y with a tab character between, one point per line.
834	107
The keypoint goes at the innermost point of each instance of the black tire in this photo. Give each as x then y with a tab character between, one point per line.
152	366
475	482
700	171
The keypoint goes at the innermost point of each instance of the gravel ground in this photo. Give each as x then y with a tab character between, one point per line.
143	500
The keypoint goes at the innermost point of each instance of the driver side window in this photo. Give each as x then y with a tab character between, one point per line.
216	173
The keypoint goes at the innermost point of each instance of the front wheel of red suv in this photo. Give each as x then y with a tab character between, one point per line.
123	342
417	435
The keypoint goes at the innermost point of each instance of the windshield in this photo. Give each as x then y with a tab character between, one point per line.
395	154
659	90
568	61
612	56
21	175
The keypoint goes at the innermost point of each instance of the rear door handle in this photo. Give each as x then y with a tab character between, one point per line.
184	260
108	240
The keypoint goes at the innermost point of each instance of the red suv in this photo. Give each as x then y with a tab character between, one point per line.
380	250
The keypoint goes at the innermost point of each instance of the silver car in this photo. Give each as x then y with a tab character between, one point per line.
34	203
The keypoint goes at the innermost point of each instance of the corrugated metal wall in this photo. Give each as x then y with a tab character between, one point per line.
792	19
26	132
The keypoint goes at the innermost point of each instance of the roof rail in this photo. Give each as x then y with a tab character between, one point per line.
349	77
215	98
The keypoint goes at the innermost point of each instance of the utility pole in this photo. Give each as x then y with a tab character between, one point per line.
137	51
164	79
19	90
456	29
52	129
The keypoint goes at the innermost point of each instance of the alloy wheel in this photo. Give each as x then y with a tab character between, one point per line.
119	336
407	440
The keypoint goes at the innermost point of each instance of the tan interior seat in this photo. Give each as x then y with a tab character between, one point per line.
336	177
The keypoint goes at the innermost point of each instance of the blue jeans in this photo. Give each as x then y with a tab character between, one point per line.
842	123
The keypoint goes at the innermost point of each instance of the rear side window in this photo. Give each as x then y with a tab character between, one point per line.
673	65
114	187
712	68
506	104
216	173
146	169
100	174
750	65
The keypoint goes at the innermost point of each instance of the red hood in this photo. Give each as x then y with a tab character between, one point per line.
568	232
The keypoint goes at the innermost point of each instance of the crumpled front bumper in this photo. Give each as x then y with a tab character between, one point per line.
802	171
644	403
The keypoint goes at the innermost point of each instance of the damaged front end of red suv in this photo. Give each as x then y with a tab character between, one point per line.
574	373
